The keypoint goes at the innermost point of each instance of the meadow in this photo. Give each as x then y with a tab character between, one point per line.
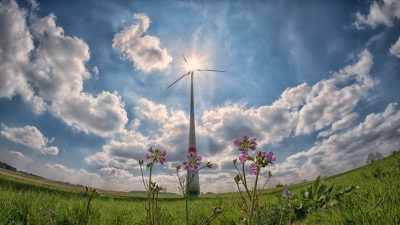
32	200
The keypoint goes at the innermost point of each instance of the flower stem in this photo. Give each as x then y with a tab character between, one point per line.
242	179
187	208
188	182
157	209
87	211
245	182
144	183
253	200
149	196
262	189
241	195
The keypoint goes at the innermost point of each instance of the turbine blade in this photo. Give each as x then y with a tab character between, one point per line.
178	79
221	71
184	58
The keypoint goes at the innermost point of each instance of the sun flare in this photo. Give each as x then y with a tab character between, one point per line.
193	63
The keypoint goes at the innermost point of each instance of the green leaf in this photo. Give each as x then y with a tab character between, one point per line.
315	188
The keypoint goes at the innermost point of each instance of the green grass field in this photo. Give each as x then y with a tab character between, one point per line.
31	200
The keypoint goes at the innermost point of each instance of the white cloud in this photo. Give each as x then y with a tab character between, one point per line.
18	154
379	13
148	110
116	174
51	76
327	103
31	137
122	151
395	48
34	4
171	126
103	114
58	63
342	123
127	148
143	50
15	45
338	153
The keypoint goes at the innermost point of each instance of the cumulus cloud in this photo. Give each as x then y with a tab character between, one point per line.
121	152
15	45
51	75
342	123
58	63
148	110
31	137
384	12
395	48
126	149
327	102
338	153
144	51
103	115
18	155
114	174
171	126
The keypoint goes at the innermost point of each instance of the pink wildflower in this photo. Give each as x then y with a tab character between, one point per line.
193	161
246	143
243	156
269	157
253	169
156	155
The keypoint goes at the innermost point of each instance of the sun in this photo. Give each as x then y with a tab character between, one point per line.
192	64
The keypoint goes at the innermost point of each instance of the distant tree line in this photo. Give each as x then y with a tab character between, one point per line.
7	167
372	157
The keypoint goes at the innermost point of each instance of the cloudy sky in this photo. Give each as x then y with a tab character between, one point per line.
83	86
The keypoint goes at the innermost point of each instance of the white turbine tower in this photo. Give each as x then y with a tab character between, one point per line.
192	66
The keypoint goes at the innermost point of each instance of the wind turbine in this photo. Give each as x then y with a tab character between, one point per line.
192	66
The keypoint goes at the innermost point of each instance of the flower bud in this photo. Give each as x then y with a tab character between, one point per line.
237	178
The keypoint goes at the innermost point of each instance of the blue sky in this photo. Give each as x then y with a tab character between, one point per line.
83	86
